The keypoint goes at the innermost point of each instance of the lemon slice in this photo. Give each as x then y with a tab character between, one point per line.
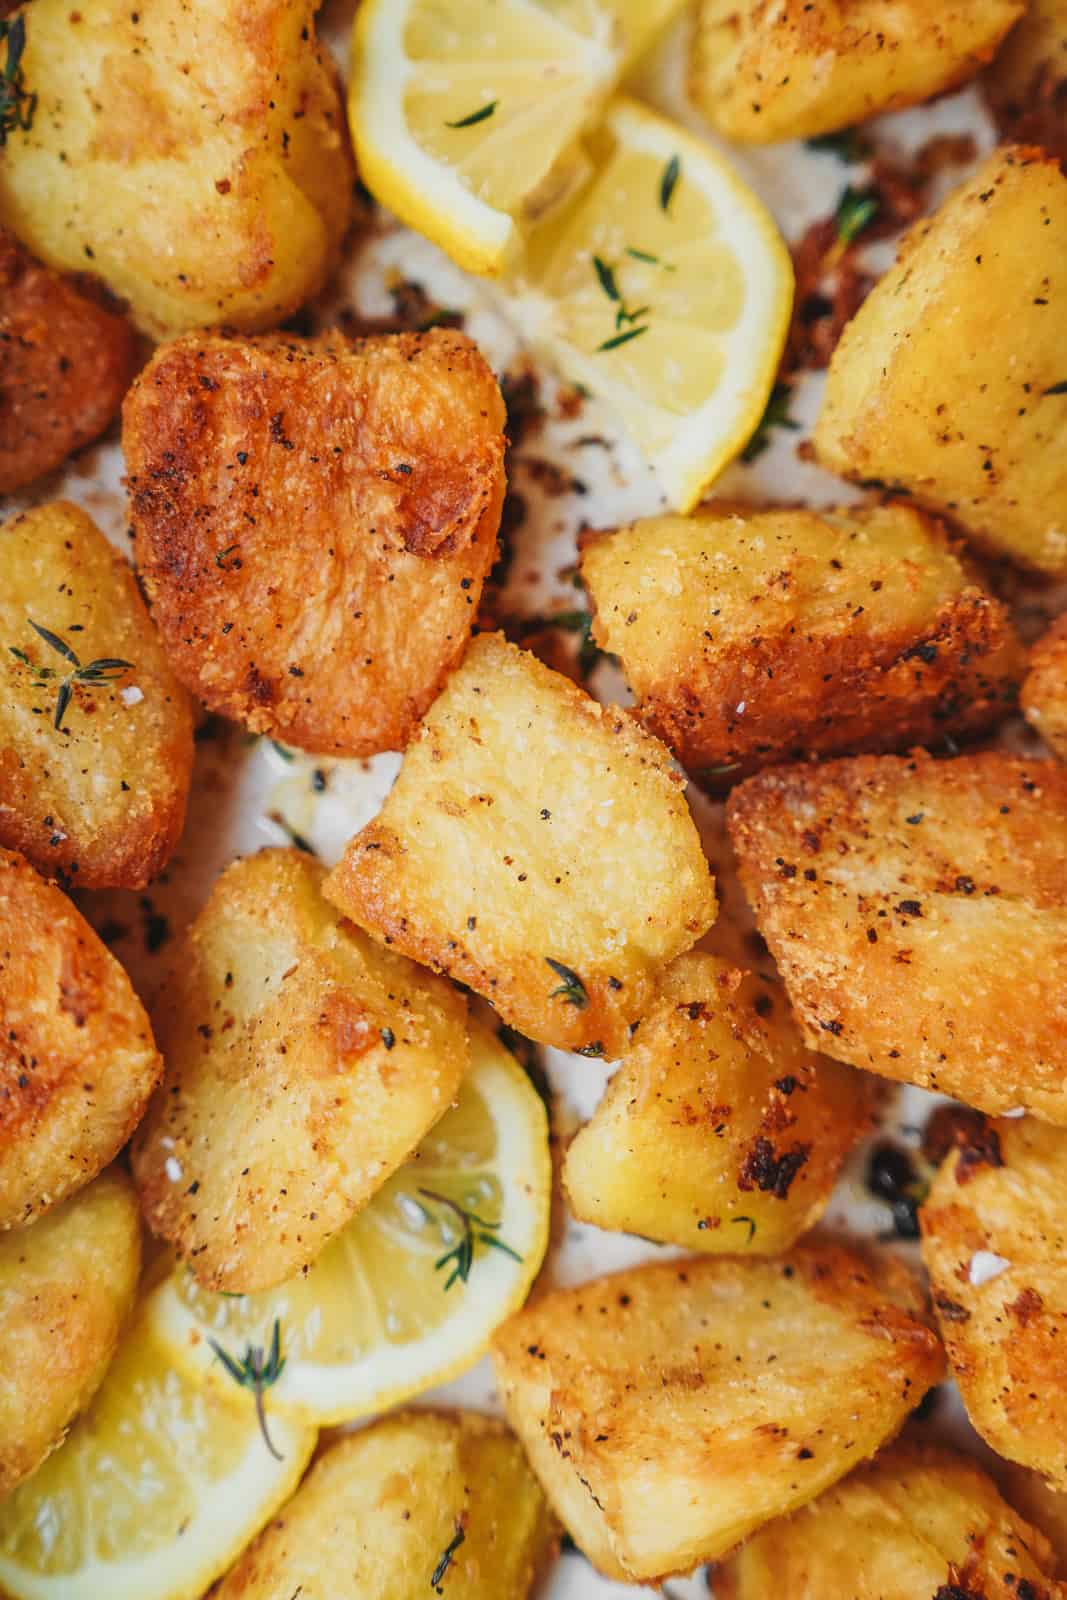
666	289
380	1315
156	1491
467	114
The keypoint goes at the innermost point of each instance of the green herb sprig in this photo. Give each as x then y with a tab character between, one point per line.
751	1226
257	1371
669	182
473	1229
447	1554
105	669
624	314
856	210
482	114
775	416
572	990
17	104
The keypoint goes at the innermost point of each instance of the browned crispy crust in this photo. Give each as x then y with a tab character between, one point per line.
77	1057
66	360
314	521
918	912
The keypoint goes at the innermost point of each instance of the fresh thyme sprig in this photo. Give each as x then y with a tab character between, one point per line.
481	115
257	1371
856	210
669	182
775	416
624	314
17	105
572	989
105	669
472	1229
447	1553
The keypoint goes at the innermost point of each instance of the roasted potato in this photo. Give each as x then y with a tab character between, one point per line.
67	360
313	523
917	910
1042	1506
537	846
77	1058
67	1284
418	1503
194	157
1044	691
749	637
994	1229
919	1521
1027	82
949	380
763	70
671	1410
99	800
303	1064
719	1131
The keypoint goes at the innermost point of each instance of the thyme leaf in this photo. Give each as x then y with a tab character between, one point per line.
105	669
669	182
446	1556
607	278
1056	388
622	338
473	1229
259	1371
17	104
751	1227
775	416
649	258
482	114
856	210
572	989
848	145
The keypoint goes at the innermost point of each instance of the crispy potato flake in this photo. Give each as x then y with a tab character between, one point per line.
537	846
671	1410
378	1511
918	912
1044	691
304	1063
752	637
100	801
77	1058
313	522
919	1521
67	1284
719	1131
994	1229
948	382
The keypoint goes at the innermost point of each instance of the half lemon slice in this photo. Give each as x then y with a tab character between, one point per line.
408	1294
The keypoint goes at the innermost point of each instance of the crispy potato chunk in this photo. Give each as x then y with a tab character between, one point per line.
304	1063
313	523
67	1284
749	637
100	800
1041	1505
77	1059
1044	691
993	1234
919	1521
948	382
1027	82
763	70
719	1130
672	1409
918	912
380	1508
194	157
537	846
67	361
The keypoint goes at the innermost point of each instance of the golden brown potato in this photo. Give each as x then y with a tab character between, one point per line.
417	1503
67	1284
671	1410
949	380
749	637
66	360
77	1058
100	800
537	846
918	912
194	157
1042	1506
1044	691
303	1064
719	1131
763	70
1027	82
994	1230
920	1521
313	523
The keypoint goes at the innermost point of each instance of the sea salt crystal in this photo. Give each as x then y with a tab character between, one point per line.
173	1168
131	695
985	1266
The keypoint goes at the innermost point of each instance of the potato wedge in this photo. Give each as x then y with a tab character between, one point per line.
719	1131
99	801
68	359
754	636
1044	691
313	522
77	1058
304	1063
67	1285
994	1230
418	1503
537	846
917	910
763	70
948	381
918	1521
1027	81
194	158
671	1410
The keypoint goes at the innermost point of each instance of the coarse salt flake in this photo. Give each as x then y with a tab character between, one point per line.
985	1266
131	695
173	1168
